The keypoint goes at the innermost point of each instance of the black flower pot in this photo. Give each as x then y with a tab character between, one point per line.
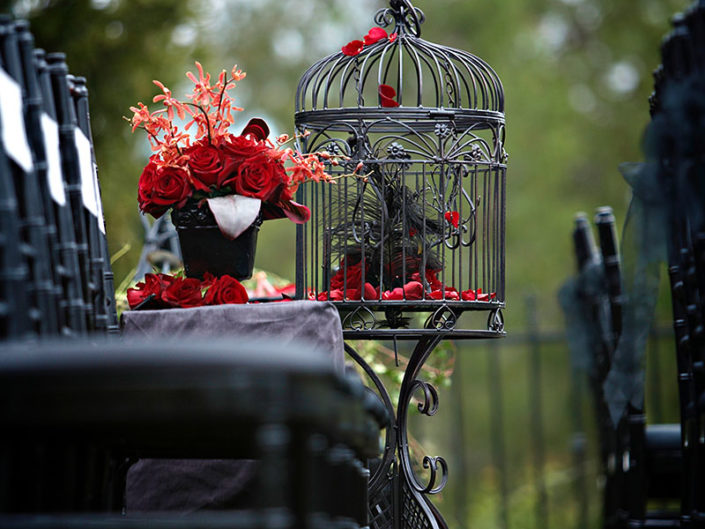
205	249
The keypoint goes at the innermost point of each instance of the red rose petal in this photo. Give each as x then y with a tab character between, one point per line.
468	295
387	95
452	295
371	292
353	294
394	295
257	128
333	295
413	290
295	212
453	217
393	37
472	295
387	91
352	48
375	35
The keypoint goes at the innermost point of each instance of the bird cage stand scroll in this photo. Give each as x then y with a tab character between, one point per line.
413	247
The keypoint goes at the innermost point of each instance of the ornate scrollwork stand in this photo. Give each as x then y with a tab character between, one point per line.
398	497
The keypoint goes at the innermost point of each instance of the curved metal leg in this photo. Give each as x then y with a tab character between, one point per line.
398	497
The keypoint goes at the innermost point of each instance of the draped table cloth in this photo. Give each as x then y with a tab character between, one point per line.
189	485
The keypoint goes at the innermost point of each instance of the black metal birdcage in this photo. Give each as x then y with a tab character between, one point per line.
415	238
420	234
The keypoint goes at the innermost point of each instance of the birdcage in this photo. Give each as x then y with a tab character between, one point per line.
415	238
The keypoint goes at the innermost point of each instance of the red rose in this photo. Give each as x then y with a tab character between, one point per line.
144	289
226	290
261	177
236	150
183	292
452	217
206	164
171	187
145	188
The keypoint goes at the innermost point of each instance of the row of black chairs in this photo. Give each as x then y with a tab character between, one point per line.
55	275
646	467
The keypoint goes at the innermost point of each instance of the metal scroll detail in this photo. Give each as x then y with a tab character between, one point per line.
361	319
408	18
495	322
394	480
428	405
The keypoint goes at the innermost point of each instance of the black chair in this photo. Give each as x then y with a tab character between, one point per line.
674	146
35	244
70	162
103	290
16	306
66	250
78	413
641	463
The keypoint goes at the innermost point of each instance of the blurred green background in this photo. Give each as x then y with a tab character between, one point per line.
577	76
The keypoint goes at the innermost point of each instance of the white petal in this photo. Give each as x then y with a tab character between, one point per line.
234	213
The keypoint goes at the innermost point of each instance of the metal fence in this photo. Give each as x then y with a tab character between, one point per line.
517	427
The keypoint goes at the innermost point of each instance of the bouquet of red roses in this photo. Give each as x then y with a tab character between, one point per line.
236	175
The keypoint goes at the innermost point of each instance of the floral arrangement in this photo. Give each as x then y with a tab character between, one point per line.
236	175
346	285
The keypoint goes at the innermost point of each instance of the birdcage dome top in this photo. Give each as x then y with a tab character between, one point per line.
403	76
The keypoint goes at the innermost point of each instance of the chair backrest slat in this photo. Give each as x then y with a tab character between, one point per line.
66	116
66	253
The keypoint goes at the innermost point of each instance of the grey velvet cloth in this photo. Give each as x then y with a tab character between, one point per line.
311	323
194	485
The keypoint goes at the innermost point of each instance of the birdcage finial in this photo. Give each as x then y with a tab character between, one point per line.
405	17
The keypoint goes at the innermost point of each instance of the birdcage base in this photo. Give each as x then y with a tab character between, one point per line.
411	321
